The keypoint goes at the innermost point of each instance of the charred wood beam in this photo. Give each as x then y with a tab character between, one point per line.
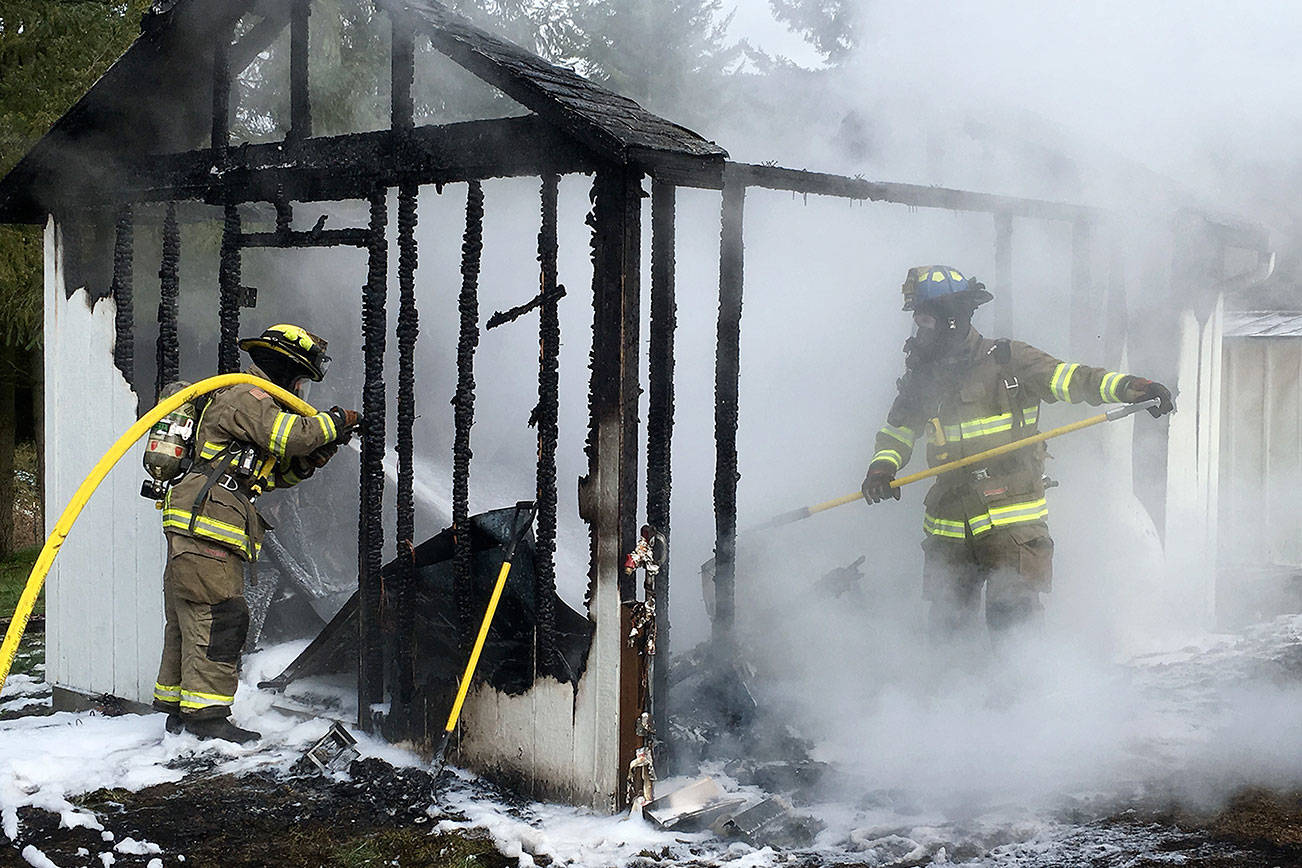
407	332
260	36
660	427
349	166
608	492
229	293
727	375
916	195
472	246
511	314
370	548
546	415
167	348
221	97
124	318
300	99
402	108
323	238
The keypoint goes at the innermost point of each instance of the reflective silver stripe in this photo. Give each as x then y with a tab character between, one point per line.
195	699
904	435
327	423
1019	513
210	528
211	449
889	455
1060	383
1108	388
280	433
943	527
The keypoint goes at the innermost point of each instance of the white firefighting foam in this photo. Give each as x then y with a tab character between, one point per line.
1216	715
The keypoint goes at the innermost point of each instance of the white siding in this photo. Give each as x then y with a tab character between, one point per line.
104	599
1261	466
1193	464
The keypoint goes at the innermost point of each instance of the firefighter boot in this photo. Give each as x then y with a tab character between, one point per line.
220	727
174	724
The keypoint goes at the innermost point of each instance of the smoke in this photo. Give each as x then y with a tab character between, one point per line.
1103	104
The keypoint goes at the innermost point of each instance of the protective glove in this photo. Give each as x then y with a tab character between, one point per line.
322	454
1139	389
345	423
877	484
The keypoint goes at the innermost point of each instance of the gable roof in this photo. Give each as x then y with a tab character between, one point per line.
612	125
157	99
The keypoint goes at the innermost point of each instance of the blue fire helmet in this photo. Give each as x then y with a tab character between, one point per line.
930	283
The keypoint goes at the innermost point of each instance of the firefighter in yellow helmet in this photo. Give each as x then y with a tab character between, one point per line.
986	526
246	444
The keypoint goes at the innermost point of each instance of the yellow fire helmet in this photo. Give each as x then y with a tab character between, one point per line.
295	343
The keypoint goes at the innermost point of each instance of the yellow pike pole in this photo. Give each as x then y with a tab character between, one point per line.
36	579
1110	416
518	532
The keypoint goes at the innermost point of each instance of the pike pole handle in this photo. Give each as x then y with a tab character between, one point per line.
517	534
1110	416
36	579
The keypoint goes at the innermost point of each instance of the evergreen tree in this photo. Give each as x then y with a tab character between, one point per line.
51	52
831	26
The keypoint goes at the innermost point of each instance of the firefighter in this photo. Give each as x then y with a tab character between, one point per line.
246	444
985	525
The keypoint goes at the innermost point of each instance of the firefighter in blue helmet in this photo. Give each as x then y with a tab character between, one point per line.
246	444
985	526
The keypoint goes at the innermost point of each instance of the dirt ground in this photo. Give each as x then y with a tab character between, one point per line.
378	817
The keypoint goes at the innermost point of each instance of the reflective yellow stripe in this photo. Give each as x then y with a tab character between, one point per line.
194	699
1000	516
904	435
1108	388
995	424
889	455
167	692
1060	383
210	528
989	425
280	433
327	423
943	527
1019	513
211	449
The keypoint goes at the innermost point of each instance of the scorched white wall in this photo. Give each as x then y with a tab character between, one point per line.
104	596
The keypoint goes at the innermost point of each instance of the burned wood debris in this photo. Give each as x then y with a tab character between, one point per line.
439	646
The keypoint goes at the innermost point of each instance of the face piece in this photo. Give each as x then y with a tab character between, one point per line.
302	386
938	333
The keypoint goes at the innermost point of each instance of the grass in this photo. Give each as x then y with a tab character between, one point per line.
14	570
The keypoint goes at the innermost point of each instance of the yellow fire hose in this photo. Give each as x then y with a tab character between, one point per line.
518	531
54	542
1110	416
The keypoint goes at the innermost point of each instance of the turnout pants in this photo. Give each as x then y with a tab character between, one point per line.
1013	564
207	622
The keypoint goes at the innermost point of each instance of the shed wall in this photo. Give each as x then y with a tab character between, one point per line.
1261	453
104	597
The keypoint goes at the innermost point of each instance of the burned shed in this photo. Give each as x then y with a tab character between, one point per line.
150	144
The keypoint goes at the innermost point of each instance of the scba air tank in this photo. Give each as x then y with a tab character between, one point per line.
169	448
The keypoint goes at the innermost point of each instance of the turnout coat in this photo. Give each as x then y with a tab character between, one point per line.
985	395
